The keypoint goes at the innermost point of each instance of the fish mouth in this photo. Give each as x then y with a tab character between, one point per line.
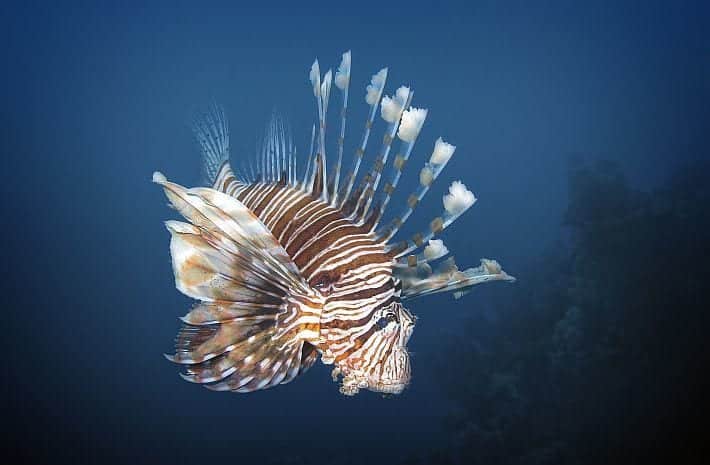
394	380
388	387
353	382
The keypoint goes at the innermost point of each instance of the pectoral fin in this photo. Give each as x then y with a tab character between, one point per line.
448	278
256	315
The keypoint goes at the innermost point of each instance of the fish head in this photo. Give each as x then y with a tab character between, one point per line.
382	362
364	328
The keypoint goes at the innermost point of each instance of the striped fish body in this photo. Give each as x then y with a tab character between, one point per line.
352	270
287	269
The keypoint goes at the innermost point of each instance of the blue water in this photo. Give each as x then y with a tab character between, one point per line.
95	98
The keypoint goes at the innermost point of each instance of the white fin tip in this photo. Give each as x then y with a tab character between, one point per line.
442	152
392	106
459	198
435	249
374	89
412	122
342	76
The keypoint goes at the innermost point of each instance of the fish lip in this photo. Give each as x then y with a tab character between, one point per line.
389	387
377	384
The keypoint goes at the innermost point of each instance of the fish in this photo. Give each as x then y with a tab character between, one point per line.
288	265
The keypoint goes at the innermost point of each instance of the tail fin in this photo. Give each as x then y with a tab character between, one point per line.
257	316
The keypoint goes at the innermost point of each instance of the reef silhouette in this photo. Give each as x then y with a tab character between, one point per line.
596	356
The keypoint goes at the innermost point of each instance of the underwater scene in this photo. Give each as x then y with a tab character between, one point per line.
356	233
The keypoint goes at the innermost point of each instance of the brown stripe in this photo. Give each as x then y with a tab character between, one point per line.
359	342
412	201
286	220
365	277
418	239
379	165
245	193
437	225
308	233
318	182
331	238
368	259
399	162
259	209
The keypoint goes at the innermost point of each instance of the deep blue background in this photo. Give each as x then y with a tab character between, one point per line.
95	98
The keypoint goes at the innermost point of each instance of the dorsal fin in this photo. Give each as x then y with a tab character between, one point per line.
412	121
342	82
212	134
275	155
259	318
319	176
374	94
392	111
369	222
225	180
439	158
321	91
458	200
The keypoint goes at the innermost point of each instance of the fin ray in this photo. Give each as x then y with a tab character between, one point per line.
212	134
256	310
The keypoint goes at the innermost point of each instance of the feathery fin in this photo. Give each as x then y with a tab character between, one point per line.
276	153
447	278
212	134
342	82
373	96
427	175
276	163
456	202
242	335
319	176
393	111
412	122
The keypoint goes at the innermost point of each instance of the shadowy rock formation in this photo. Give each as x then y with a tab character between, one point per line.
597	356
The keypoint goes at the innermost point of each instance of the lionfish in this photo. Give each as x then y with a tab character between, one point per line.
288	267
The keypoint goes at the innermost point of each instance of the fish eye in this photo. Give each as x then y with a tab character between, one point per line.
324	282
386	319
